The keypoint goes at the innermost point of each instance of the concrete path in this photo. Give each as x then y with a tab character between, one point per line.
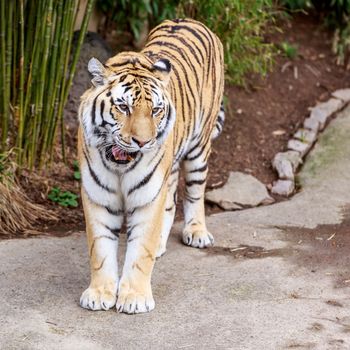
278	278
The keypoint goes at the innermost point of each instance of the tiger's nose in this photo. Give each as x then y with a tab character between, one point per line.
139	142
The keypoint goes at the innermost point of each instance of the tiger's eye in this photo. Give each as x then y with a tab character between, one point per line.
123	108
156	110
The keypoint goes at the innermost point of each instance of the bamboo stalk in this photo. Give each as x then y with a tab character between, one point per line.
82	32
51	86
4	119
14	72
68	35
9	47
31	138
66	18
41	79
21	82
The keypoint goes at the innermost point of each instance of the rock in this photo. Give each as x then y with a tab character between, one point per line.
240	191
286	163
324	110
306	135
342	94
311	124
283	187
284	168
298	146
93	46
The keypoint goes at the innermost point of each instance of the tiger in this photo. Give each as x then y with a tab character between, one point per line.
147	114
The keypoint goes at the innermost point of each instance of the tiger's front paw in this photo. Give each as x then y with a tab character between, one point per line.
98	298
197	238
132	301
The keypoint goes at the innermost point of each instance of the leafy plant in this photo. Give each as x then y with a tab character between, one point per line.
37	64
296	4
289	50
134	15
336	14
241	26
65	199
76	174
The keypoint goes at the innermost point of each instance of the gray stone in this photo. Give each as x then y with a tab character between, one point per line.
312	124
301	147
286	163
241	190
306	135
342	94
324	110
283	187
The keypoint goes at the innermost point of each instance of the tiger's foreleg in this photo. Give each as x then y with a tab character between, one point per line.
195	232
143	238
102	226
170	209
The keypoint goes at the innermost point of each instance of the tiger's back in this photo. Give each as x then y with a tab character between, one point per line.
197	82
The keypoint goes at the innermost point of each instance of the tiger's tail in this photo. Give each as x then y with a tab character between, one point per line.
219	122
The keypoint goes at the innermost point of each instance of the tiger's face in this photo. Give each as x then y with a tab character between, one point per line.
130	112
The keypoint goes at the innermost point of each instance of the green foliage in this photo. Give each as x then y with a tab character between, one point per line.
76	174
37	65
133	15
295	4
289	50
337	17
65	199
241	26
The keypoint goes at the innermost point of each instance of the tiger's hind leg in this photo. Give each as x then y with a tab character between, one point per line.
195	232
219	122
170	209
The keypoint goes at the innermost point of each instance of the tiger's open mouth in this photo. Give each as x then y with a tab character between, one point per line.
120	156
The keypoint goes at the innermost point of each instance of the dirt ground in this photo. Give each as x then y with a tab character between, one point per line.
259	119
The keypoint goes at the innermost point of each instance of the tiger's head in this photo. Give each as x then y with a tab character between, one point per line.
128	111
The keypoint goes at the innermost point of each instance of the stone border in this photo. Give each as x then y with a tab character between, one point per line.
287	163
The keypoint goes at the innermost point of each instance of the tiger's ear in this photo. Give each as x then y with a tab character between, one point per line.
162	69
98	71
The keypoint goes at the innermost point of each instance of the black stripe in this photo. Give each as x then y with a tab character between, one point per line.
115	231
116	212
170	209
129	230
95	177
94	107
184	57
146	179
101	152
136	161
195	182
110	210
191	199
189	44
203	168
173	29
161	133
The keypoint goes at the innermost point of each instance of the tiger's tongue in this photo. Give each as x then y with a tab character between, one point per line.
119	154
